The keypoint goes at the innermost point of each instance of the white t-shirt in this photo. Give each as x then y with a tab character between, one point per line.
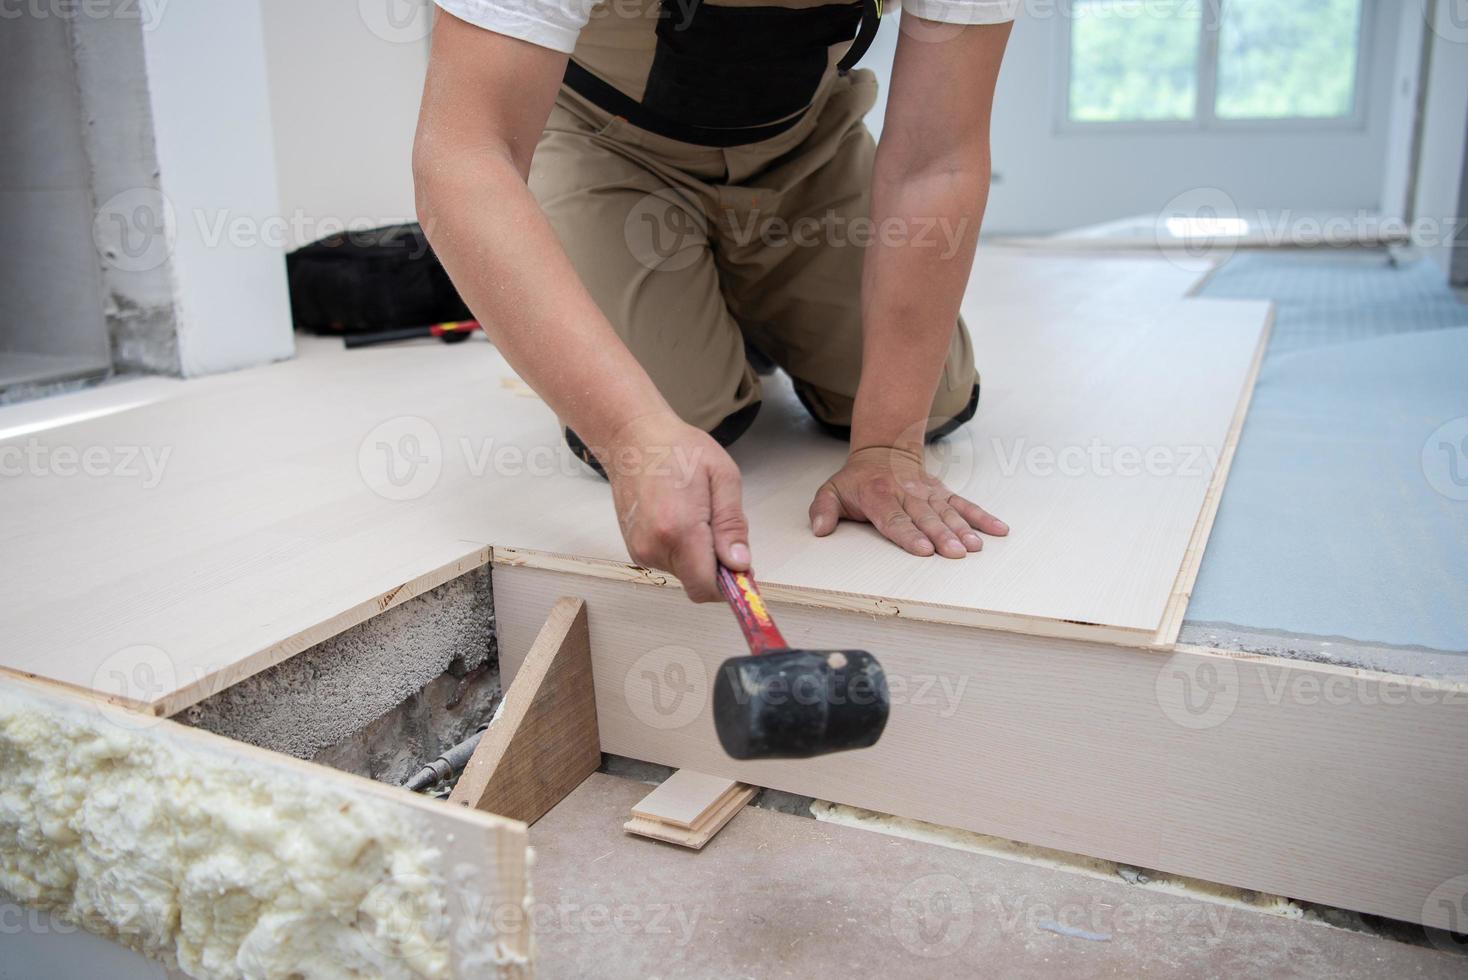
555	24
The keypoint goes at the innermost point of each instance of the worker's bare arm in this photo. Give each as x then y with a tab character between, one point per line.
485	104
932	165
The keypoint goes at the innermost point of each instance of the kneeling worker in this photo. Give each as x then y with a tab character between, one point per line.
704	124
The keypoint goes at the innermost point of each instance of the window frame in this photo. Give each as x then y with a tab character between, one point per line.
1205	91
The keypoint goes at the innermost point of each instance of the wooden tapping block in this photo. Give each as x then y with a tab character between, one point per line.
545	741
689	808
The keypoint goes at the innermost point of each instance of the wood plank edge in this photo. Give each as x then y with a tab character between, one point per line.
1182	588
711	807
601	568
703	831
301	640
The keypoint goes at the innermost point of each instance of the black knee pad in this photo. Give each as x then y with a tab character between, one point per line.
730	428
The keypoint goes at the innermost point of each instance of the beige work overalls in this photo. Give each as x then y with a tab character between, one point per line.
707	169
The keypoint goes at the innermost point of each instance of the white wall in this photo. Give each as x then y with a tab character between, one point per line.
211	122
1399	174
1046	180
1439	201
345	80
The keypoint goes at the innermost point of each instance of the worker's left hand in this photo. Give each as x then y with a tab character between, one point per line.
889	488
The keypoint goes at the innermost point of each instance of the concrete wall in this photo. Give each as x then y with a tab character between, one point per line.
138	169
139	286
1047	179
1441	195
345	80
51	322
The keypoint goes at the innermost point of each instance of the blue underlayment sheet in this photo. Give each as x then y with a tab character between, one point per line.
1346	510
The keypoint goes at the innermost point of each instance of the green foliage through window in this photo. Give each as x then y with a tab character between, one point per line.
1139	60
1133	59
1294	60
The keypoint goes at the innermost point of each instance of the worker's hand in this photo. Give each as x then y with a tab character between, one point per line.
889	488
677	494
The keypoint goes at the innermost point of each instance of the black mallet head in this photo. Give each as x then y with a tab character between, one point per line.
782	703
794	704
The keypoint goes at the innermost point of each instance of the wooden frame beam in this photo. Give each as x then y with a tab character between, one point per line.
1338	786
545	741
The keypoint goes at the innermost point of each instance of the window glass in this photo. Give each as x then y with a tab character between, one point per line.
1134	59
1287	60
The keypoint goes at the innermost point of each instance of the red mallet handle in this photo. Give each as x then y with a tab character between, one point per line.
749	608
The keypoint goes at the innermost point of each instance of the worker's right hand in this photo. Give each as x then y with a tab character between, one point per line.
677	494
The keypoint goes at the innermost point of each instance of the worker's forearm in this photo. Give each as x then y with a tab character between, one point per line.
912	286
511	270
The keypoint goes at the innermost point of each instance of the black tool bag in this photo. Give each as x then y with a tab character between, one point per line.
370	280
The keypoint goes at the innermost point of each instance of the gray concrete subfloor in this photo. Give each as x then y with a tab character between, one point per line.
775	895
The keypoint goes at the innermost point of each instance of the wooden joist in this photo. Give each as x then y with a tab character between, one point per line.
1326	784
545	740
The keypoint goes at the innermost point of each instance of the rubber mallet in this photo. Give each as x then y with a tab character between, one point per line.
779	703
